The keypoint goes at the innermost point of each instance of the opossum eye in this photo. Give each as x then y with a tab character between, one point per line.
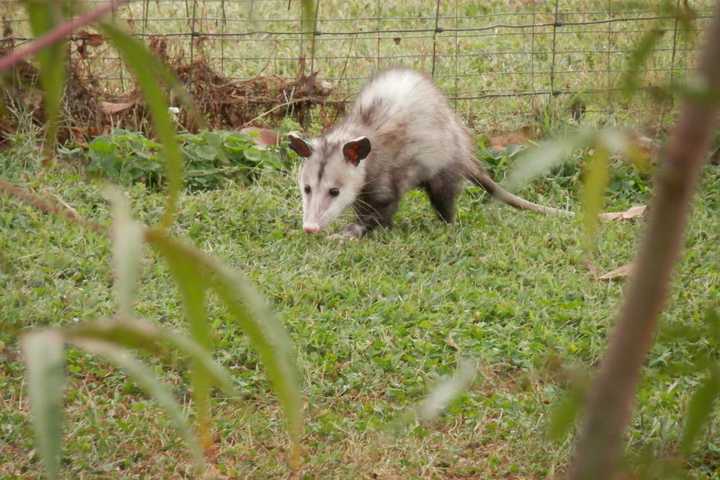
307	189
334	192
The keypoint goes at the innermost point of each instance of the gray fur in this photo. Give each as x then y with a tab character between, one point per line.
416	140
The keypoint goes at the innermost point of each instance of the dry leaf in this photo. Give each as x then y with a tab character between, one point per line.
262	136
501	141
628	214
451	343
110	108
92	39
620	272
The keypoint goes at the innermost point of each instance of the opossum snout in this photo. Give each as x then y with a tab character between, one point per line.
311	227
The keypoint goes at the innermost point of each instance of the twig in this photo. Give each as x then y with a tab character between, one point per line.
61	31
276	107
599	444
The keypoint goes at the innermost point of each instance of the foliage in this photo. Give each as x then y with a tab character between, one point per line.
376	324
194	272
214	156
210	158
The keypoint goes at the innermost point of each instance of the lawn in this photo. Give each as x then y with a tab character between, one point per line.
376	323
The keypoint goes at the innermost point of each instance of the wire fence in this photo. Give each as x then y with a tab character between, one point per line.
502	63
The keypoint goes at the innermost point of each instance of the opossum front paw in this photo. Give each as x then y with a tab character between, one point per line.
352	232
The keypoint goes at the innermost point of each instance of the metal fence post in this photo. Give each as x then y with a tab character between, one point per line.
556	24
437	30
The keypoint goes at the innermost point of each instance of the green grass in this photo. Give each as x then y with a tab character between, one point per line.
376	323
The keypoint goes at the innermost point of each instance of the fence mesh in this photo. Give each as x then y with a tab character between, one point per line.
502	63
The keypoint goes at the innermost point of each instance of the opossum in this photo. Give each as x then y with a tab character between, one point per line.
400	134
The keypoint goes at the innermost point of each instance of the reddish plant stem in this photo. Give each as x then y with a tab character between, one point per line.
61	31
599	445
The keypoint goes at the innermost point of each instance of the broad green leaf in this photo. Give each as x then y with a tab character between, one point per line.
446	391
44	358
638	57
700	408
597	176
267	335
127	237
149	73
145	378
539	160
133	333
45	15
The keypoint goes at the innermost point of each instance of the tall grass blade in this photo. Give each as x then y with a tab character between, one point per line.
700	408
44	356
149	74
127	237
565	412
44	15
440	397
138	334
597	177
541	159
145	378
638	57
267	335
190	280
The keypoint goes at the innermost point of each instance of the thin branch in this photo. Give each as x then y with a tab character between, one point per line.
61	31
599	445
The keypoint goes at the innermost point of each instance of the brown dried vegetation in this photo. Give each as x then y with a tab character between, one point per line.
89	110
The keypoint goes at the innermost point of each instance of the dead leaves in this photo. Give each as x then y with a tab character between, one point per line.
116	107
619	273
629	214
626	270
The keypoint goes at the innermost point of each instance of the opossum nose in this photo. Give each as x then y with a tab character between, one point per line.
311	227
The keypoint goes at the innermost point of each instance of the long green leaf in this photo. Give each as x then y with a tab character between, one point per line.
192	285
597	176
564	413
440	397
149	73
127	236
541	159
145	378
638	58
44	15
133	333
700	408
44	357
267	335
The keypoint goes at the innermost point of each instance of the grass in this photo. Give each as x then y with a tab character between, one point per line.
376	323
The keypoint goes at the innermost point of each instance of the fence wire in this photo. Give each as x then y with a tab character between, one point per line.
502	63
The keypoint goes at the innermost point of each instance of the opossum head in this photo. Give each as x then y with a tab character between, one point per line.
331	177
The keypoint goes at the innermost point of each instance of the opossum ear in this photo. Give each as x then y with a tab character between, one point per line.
356	150
300	146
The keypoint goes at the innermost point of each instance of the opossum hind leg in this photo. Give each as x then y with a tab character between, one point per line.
443	189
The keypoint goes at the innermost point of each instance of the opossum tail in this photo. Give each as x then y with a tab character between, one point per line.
477	175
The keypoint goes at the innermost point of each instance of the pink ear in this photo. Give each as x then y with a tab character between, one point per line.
356	150
300	146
